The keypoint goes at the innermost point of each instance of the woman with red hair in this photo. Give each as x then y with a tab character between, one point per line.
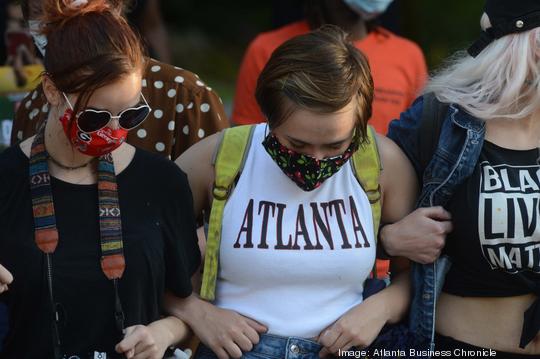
92	229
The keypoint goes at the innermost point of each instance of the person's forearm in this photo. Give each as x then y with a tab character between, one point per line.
420	236
174	329
396	296
387	239
187	309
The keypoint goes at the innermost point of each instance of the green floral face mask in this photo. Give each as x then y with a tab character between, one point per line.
306	171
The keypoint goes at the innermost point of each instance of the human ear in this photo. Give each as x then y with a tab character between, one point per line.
53	95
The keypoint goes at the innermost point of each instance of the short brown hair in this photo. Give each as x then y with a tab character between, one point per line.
88	47
320	71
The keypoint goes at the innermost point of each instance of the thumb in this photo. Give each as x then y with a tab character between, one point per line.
127	344
447	227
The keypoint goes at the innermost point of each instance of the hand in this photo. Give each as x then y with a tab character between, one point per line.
145	342
225	332
357	328
5	279
420	236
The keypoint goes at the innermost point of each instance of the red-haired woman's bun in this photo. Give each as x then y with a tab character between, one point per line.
57	12
89	45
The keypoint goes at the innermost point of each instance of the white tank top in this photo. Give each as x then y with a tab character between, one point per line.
292	260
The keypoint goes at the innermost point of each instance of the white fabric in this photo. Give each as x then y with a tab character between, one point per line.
294	291
79	3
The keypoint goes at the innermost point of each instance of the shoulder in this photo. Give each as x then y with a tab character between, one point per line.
287	31
30	114
160	175
157	72
397	172
200	155
161	167
408	119
197	163
388	150
271	39
33	103
393	160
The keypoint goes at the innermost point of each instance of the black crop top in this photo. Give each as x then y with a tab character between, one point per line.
496	233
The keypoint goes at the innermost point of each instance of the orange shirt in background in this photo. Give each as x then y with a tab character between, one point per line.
397	65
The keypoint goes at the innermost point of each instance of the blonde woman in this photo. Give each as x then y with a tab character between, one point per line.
485	171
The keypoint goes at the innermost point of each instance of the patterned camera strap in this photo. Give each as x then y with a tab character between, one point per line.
110	223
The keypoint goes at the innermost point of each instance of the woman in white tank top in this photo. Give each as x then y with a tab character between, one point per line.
297	237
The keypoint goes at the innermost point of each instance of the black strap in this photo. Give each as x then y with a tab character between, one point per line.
433	115
55	316
57	344
119	315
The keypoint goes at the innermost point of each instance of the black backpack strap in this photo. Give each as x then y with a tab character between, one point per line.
433	115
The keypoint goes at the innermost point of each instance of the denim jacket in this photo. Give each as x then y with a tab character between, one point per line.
456	155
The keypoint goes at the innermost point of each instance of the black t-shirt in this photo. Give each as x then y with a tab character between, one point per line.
496	220
160	248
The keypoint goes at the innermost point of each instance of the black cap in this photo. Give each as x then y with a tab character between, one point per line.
507	17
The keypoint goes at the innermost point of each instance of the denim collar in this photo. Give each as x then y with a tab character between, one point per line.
465	120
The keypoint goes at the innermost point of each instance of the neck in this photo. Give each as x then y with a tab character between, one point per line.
358	30
340	14
532	124
58	145
529	126
516	134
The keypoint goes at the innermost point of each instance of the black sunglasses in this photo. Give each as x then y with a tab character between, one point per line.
91	120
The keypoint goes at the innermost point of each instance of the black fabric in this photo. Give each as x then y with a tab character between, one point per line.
160	246
473	272
507	17
501	11
495	243
461	349
433	115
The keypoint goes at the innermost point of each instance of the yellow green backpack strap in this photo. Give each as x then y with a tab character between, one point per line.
228	163
367	168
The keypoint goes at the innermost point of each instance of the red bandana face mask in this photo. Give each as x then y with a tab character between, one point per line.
93	144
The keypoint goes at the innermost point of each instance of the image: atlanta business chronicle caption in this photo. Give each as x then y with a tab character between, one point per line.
415	353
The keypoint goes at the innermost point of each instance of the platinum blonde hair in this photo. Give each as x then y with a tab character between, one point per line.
503	81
